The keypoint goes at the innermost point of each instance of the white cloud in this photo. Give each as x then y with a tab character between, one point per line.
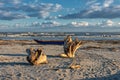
14	2
34	24
50	24
79	24
51	18
107	3
57	7
109	23
90	2
95	7
97	10
1	4
4	26
83	24
32	9
10	16
119	23
43	14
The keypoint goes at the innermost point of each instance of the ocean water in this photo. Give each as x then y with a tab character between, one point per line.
59	35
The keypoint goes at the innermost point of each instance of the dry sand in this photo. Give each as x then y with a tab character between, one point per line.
99	60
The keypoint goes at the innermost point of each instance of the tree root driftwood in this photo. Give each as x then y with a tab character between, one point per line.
70	47
36	56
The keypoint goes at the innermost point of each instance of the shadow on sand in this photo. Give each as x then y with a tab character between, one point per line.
13	54
53	56
14	63
110	77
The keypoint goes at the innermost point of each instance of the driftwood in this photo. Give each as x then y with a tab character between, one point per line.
36	57
75	66
70	47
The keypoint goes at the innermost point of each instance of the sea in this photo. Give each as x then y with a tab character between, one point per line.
59	35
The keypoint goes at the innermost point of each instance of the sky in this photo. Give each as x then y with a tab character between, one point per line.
60	15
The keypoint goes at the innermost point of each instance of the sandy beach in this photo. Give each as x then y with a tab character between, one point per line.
99	60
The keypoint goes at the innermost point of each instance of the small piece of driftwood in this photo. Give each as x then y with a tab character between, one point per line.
36	57
70	47
75	66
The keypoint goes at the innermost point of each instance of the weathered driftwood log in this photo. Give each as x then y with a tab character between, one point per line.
70	47
36	57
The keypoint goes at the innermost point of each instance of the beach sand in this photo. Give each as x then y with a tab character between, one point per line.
99	60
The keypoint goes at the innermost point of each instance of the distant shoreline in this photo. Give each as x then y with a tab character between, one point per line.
32	42
59	35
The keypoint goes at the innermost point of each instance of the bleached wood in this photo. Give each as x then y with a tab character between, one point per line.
36	57
70	47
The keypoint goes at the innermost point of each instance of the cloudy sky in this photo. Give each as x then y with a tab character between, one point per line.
60	15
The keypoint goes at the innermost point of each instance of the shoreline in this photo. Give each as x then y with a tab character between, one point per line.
32	42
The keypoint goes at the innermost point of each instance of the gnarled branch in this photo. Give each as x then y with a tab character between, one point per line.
70	47
36	57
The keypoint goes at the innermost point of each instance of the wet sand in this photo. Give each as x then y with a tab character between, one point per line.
99	60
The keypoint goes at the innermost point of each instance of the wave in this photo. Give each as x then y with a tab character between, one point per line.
59	35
